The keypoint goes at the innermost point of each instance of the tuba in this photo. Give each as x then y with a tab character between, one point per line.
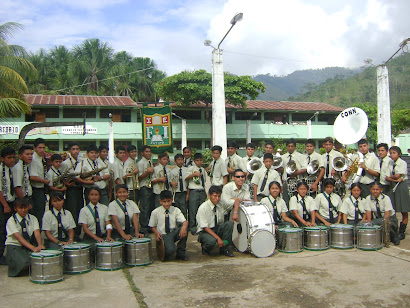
254	165
340	164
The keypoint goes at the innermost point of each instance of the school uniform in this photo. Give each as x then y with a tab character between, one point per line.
38	167
235	162
188	162
133	193
179	175
146	194
21	178
400	198
59	229
277	207
354	208
304	206
88	165
366	179
247	159
218	172
213	216
230	191
197	195
124	212
300	161
327	159
385	169
170	230
328	206
310	158
262	178
160	171
7	189
18	256
104	185
379	206
94	216
52	174
118	170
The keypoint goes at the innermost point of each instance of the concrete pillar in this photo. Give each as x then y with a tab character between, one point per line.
183	139
111	144
248	131
383	106
309	129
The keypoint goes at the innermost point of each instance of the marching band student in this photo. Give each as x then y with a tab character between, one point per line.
196	190
130	172
217	169
233	161
124	215
179	185
212	228
250	151
382	209
58	223
300	161
400	195
312	156
146	196
370	167
277	206
118	165
303	207
20	241
385	163
269	147
188	161
262	177
328	204
95	220
20	172
38	172
54	172
7	195
354	208
168	222
103	185
328	157
161	177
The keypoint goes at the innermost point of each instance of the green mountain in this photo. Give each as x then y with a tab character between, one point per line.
362	88
281	88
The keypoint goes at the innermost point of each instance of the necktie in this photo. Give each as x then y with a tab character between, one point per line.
308	159
394	172
275	212
215	217
290	157
97	223
331	218
249	159
356	212
11	183
26	236
127	219
265	179
167	227
364	171
379	214
327	166
60	227
304	209
181	182
202	178
166	182
381	164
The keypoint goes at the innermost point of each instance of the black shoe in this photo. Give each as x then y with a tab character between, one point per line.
396	241
227	253
182	258
401	236
205	252
3	260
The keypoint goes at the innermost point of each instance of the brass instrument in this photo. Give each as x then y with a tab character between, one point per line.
149	182
254	165
277	162
312	171
134	177
161	184
66	176
87	176
232	166
292	183
352	172
339	164
174	189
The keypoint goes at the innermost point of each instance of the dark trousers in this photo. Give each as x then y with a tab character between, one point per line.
180	202
134	195
224	231
146	207
196	198
74	202
365	189
169	243
39	203
3	222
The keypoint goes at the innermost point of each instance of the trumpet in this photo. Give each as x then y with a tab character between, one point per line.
134	177
149	182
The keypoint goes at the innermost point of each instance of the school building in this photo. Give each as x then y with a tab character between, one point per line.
268	119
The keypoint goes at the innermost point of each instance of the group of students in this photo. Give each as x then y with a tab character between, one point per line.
172	202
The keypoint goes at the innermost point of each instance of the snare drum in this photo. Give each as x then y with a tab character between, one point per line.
316	238
369	238
290	239
341	236
46	266
77	258
254	217
138	252
108	256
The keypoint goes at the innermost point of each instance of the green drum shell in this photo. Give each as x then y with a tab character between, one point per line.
369	238
316	238
341	236
109	256
77	258
46	266
290	240
137	252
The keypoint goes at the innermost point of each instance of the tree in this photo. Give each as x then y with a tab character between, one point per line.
195	87
12	66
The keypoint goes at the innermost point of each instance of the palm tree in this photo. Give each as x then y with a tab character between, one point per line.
12	66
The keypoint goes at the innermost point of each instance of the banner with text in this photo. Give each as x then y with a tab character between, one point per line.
157	129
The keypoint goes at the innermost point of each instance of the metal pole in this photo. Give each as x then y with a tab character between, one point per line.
183	139
111	143
248	131
309	129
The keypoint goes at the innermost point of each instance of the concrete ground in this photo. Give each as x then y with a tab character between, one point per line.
331	278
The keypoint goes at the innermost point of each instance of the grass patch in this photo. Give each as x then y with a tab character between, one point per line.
138	295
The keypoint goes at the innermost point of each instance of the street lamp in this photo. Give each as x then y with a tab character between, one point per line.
309	124
248	128
183	131
218	92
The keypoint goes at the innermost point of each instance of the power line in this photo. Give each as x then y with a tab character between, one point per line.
258	56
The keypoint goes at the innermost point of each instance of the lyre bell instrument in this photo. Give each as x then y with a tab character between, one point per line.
254	165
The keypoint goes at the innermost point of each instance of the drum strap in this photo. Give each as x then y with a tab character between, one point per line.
96	219
276	216
23	226
127	218
61	228
331	208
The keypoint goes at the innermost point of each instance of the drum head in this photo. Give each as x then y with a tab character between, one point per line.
341	226
240	233
160	250
316	228
108	244
289	230
262	243
374	227
138	240
47	253
76	246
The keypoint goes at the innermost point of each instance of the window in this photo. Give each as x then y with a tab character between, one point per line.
52	145
240	115
118	115
302	117
329	118
276	117
73	113
189	114
41	114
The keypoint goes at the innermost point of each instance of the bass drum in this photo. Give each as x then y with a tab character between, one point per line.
255	231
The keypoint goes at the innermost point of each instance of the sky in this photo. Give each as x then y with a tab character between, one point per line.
275	37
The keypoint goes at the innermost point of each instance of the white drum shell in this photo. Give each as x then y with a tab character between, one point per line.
262	243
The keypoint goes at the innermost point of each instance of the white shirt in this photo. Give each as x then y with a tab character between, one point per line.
118	168
400	167
36	168
205	216
115	209
314	156
384	204
295	203
21	178
142	165
259	176
14	227
386	166
87	218
299	159
230	191
348	207
53	173
332	155
218	172
129	165
235	162
157	218
322	204
280	206
371	162
175	177
196	182
160	173
50	222
5	182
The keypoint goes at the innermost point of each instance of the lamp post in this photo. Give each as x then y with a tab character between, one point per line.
309	125
218	92
111	141
183	131
248	128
